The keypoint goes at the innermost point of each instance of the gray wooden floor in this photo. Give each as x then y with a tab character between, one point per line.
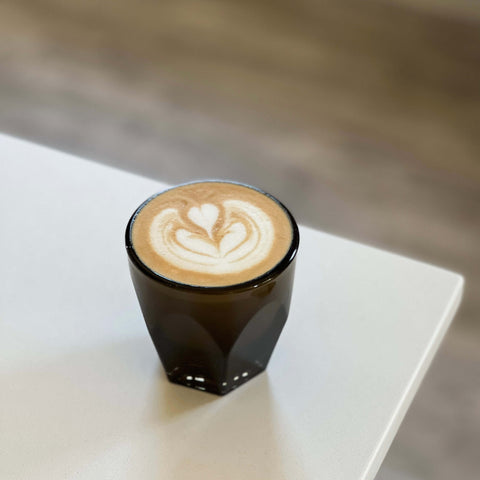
362	116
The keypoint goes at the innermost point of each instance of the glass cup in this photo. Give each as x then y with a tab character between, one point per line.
214	338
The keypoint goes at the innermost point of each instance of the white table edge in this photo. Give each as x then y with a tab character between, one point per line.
391	429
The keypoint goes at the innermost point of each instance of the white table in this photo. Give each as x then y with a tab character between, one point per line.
82	392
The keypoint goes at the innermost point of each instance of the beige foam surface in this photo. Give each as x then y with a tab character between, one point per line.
211	234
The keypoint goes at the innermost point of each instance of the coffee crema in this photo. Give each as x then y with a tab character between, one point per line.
211	233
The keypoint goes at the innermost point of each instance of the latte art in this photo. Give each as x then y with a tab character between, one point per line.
242	237
211	233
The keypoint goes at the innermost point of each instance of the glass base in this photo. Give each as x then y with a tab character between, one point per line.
194	378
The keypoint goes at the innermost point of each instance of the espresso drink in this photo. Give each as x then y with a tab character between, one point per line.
212	264
211	234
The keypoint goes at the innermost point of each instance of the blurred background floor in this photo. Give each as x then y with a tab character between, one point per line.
363	117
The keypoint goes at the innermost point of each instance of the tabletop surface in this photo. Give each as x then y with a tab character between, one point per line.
83	394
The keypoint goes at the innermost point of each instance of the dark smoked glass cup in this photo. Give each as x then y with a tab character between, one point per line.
214	338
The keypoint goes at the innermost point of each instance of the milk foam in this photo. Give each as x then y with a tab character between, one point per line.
213	238
211	233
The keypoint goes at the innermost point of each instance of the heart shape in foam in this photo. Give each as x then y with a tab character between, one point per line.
234	235
205	217
244	238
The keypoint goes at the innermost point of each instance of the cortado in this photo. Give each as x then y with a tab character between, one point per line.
211	233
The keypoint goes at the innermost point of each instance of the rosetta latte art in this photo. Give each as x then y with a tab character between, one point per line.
228	237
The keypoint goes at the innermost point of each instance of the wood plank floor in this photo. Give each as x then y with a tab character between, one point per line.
363	117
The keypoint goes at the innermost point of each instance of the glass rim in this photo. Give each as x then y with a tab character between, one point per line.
255	282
